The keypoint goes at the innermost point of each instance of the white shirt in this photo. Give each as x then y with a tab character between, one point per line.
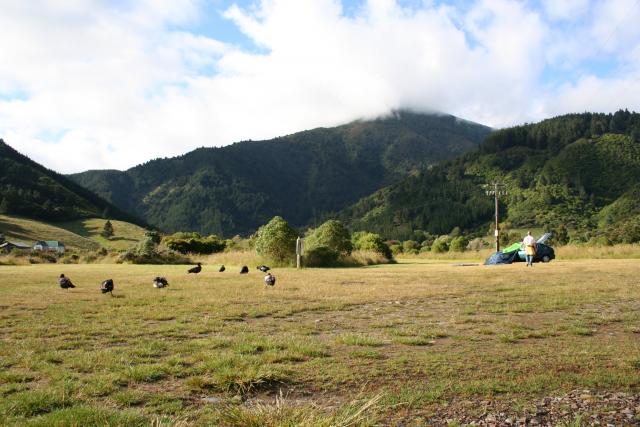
529	241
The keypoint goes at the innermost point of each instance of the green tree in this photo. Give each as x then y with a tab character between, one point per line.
276	241
332	234
154	236
364	241
458	244
561	235
455	232
321	256
107	230
194	243
476	244
147	247
410	247
396	249
441	244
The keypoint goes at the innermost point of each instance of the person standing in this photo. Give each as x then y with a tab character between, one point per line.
529	244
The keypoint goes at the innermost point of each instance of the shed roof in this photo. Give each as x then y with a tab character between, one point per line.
50	243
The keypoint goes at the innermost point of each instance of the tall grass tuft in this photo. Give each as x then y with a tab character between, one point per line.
630	251
285	413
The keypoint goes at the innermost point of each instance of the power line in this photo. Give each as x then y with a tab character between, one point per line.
617	27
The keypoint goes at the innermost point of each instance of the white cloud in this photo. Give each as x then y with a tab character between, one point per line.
569	10
114	84
601	95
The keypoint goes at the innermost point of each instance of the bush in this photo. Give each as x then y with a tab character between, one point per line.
410	247
276	241
237	243
154	236
70	259
321	256
441	244
458	244
193	243
476	244
560	235
364	241
599	241
627	231
160	257
147	252
41	257
333	235
359	258
395	249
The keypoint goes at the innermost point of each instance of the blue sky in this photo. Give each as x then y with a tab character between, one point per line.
110	84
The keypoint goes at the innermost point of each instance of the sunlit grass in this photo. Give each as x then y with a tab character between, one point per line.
335	344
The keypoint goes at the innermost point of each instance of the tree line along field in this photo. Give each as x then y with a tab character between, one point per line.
413	343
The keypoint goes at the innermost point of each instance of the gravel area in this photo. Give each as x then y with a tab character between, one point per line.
577	408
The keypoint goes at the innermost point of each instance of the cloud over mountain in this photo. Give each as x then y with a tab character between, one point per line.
93	84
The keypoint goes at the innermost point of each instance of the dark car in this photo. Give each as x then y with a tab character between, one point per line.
544	253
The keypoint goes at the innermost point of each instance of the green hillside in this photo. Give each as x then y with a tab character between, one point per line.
78	234
29	231
31	190
580	170
125	234
303	177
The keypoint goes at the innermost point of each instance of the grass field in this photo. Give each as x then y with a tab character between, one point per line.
386	345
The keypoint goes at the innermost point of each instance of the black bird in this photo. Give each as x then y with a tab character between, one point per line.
244	269
269	280
263	268
221	269
65	283
107	286
160	282
197	269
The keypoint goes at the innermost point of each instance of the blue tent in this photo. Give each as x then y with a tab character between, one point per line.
502	258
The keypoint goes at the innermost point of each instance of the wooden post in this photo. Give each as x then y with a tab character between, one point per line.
299	252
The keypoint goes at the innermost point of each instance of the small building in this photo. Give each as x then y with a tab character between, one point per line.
7	246
49	245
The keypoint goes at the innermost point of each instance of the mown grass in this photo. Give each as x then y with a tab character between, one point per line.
323	347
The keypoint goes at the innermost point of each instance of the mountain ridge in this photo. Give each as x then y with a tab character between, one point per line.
30	189
303	176
577	170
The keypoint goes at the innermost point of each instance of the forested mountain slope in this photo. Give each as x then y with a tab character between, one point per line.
580	170
302	177
31	190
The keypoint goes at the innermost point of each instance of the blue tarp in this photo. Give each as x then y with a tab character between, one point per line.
502	258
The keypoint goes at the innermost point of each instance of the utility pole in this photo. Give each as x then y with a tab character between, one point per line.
496	189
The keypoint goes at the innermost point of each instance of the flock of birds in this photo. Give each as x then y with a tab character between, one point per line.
106	287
